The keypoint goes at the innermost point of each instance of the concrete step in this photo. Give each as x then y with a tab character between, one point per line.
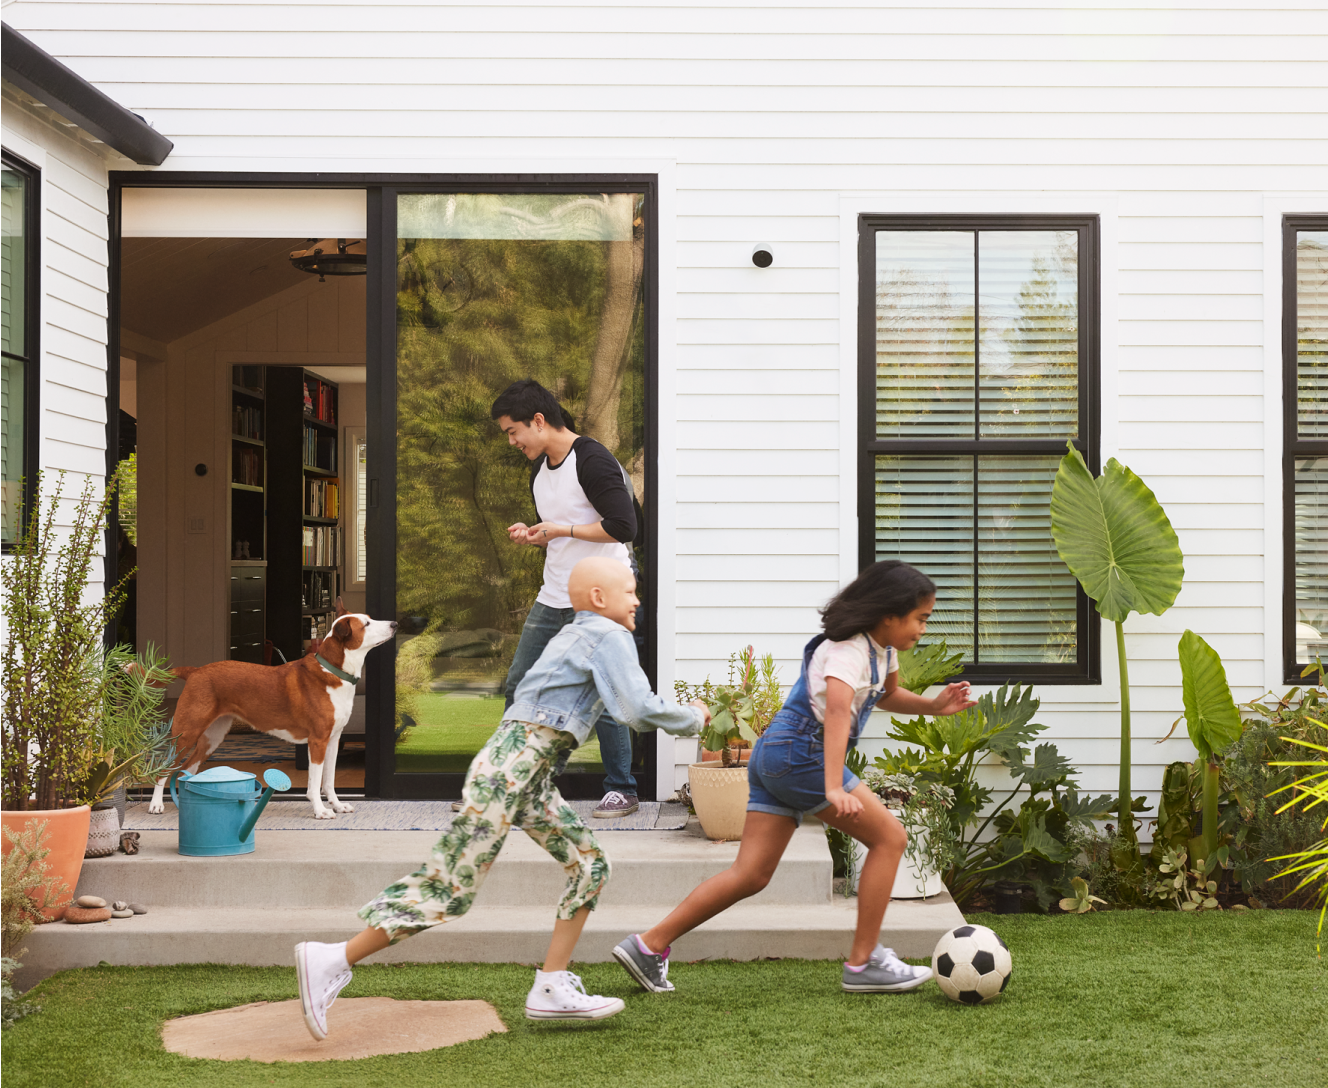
488	934
302	869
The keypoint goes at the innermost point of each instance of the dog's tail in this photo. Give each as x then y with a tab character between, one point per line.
184	672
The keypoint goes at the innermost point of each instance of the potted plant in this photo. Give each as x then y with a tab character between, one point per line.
52	673
924	809
740	710
134	743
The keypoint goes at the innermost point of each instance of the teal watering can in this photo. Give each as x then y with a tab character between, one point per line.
219	808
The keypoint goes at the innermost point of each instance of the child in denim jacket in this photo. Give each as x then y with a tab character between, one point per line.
588	667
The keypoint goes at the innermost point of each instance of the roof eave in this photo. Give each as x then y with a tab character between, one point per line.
30	68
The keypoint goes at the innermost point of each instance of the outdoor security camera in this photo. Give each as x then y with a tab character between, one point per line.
762	256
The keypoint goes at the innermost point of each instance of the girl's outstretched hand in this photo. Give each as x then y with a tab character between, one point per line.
844	804
952	699
701	706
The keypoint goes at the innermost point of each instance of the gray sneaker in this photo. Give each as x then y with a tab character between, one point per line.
616	804
649	969
884	973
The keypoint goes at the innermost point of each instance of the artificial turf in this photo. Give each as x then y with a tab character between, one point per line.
1116	1000
450	731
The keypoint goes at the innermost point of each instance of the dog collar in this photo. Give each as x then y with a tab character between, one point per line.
340	673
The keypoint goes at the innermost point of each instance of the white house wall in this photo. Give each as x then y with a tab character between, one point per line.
1185	128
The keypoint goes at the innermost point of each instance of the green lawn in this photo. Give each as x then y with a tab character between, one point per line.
1116	1000
451	730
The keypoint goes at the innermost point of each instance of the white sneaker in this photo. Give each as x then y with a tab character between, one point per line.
323	973
559	995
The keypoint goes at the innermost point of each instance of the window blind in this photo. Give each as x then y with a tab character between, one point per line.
1312	334
977	336
1311	501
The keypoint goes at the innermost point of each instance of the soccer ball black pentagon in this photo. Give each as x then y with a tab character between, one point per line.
971	965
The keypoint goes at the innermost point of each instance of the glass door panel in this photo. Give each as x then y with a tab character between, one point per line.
492	288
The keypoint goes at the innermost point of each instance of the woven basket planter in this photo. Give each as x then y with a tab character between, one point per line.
103	831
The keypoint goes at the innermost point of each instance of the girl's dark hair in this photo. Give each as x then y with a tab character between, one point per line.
887	588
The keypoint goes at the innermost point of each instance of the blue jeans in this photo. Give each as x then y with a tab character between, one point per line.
615	740
786	774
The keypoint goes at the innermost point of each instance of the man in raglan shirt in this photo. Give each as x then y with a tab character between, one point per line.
584	506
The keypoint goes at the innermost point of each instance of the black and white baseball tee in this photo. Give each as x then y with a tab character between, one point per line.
588	485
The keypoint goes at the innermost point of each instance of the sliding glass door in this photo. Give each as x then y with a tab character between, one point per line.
491	286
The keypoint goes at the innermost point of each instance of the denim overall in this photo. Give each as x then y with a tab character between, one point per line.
786	774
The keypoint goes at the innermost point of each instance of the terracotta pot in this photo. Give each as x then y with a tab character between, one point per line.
719	795
66	838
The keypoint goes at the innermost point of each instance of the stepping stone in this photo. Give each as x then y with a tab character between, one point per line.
358	1027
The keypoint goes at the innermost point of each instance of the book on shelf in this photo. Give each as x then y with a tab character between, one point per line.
320	400
322	546
318	590
247	421
320	451
321	499
247	466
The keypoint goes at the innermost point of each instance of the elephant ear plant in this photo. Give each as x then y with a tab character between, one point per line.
1115	538
1214	723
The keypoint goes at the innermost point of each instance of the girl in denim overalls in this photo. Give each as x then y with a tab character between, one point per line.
797	766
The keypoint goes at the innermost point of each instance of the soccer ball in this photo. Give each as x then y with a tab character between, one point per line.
971	965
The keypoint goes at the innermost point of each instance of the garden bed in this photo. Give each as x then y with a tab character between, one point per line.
1135	999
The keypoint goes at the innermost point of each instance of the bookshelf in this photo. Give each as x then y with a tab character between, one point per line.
247	591
304	509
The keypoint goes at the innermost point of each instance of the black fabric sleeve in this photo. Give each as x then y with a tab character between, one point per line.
605	484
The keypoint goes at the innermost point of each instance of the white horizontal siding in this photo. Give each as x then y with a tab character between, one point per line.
1184	118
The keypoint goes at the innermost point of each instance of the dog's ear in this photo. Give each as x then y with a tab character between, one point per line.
341	608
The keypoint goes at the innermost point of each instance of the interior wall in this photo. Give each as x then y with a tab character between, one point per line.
184	422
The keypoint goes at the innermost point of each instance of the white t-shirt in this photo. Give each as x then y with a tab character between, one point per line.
560	498
849	661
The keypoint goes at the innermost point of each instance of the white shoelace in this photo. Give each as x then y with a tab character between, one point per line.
613	797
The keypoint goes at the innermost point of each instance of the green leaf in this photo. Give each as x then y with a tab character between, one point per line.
920	668
1210	711
1115	537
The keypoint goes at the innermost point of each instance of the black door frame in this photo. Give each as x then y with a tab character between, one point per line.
381	778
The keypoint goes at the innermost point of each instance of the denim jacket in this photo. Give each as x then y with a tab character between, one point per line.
588	667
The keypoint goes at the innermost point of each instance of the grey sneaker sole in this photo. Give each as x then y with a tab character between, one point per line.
625	957
609	1008
886	987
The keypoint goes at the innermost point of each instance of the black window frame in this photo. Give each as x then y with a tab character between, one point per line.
1086	669
31	358
1293	446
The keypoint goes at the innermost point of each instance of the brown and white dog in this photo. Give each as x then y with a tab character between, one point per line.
306	702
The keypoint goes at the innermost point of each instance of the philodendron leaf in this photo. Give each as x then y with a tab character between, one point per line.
1210	711
1115	537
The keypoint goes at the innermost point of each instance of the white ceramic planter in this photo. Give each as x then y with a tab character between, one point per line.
910	882
719	795
103	831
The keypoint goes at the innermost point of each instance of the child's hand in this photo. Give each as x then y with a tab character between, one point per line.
952	699
845	804
516	533
704	710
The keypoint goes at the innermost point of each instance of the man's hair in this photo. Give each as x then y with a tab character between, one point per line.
522	400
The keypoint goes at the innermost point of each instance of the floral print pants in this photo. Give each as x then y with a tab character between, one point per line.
510	784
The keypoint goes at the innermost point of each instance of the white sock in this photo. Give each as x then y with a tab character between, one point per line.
645	947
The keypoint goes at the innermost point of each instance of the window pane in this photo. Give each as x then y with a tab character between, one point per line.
1026	595
492	288
13	193
1312	333
11	446
1311	559
924	516
1028	321
924	334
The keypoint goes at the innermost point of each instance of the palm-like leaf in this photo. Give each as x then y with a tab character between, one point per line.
1210	711
1116	539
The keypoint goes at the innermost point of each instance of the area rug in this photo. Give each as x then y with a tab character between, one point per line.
297	815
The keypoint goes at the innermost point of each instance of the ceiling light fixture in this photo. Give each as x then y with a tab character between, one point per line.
332	257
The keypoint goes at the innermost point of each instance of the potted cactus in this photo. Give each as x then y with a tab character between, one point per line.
740	710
